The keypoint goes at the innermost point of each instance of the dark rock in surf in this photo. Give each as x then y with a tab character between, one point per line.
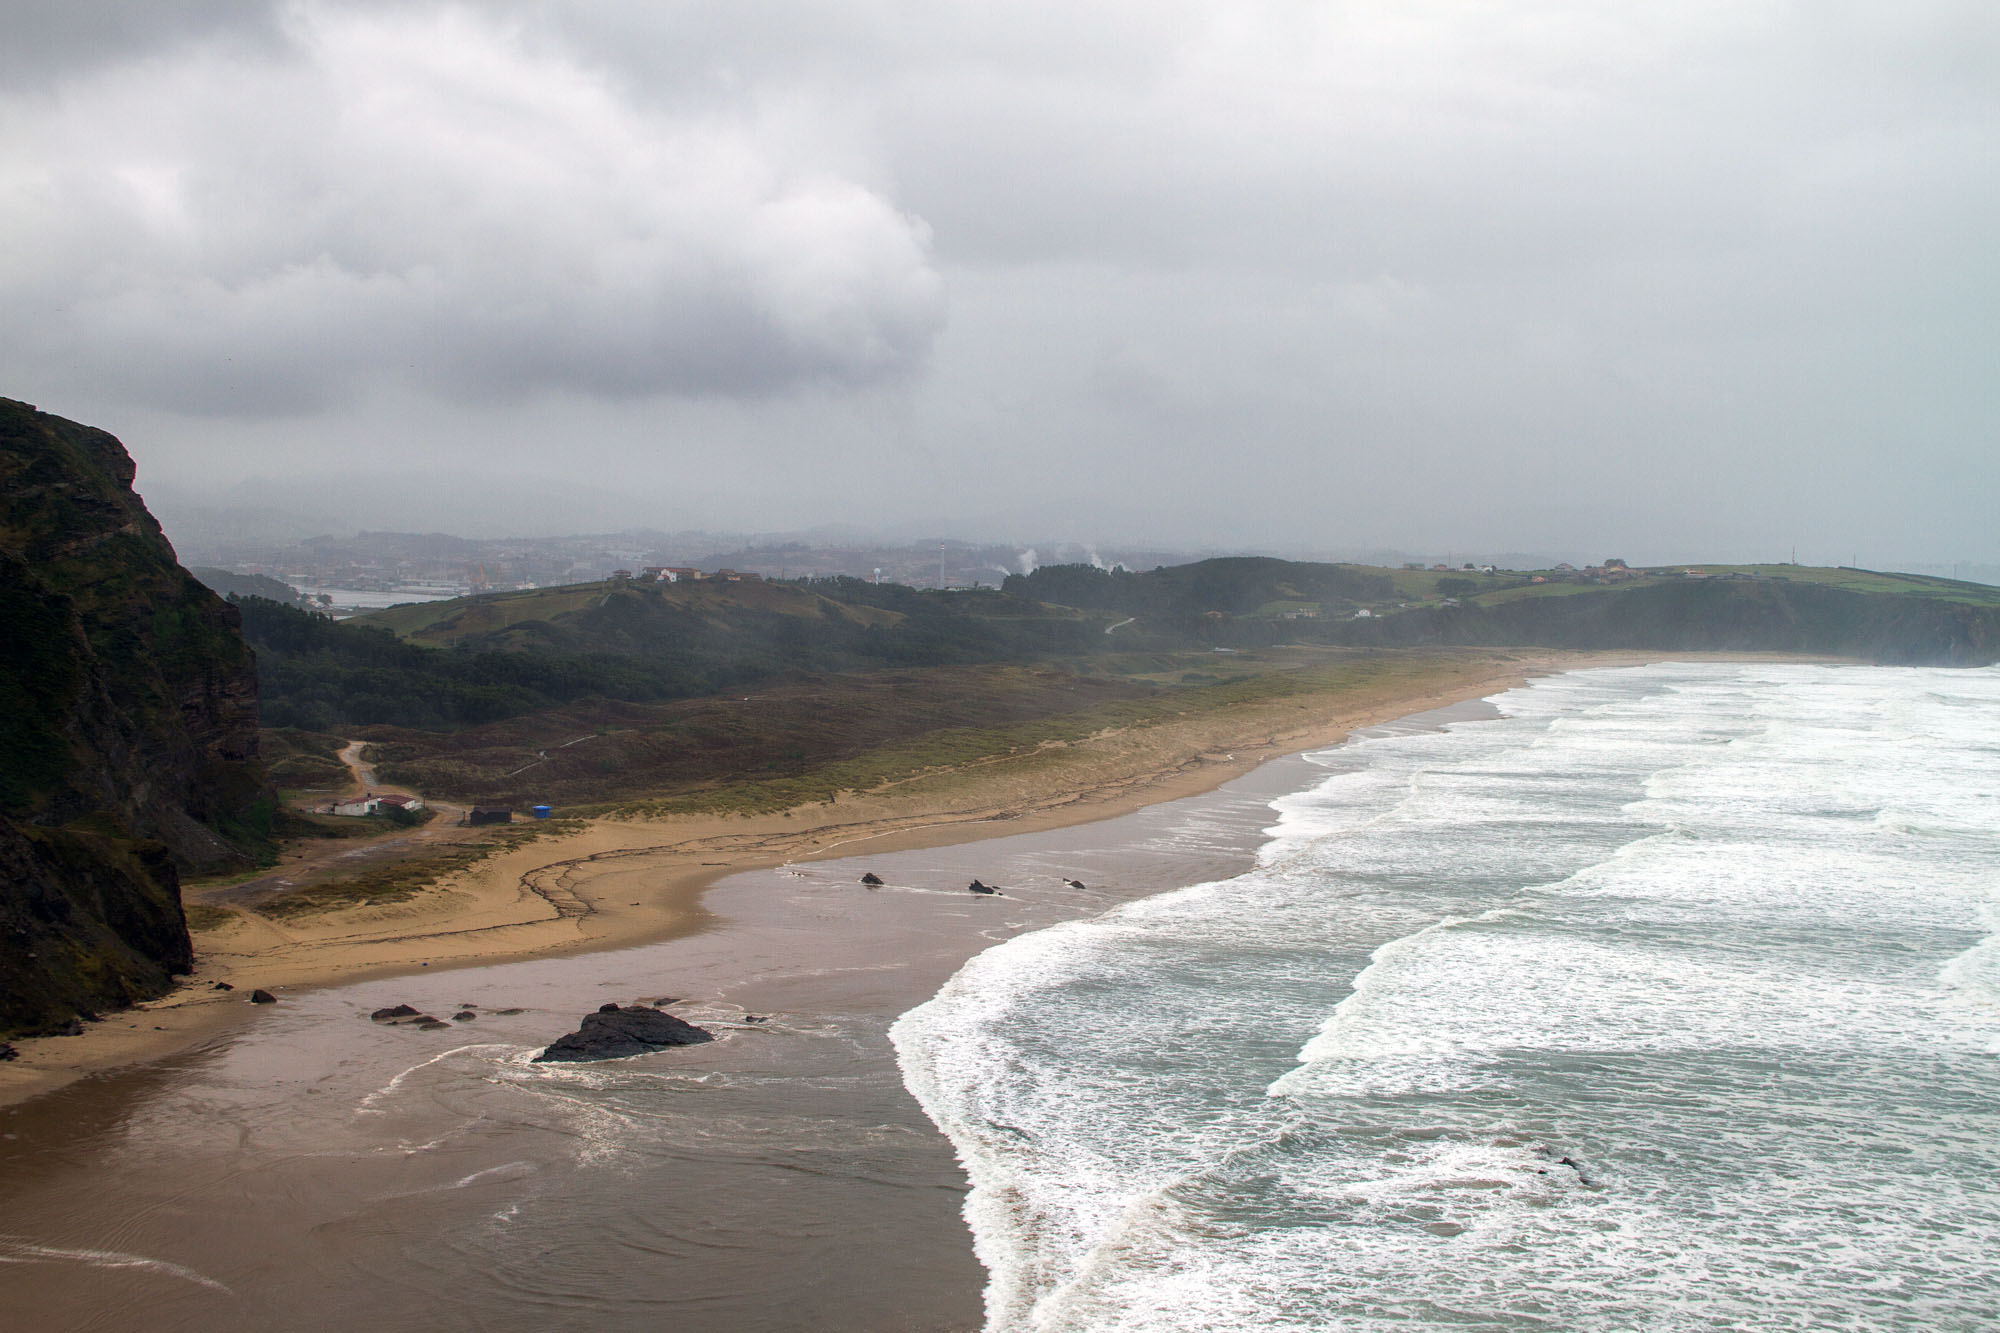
978	887
262	996
510	1011
463	1016
613	1033
872	880
222	985
395	1012
432	1025
1074	883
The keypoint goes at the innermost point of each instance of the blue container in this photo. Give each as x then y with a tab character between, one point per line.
539	811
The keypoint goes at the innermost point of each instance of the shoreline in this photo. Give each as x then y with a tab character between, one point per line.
619	883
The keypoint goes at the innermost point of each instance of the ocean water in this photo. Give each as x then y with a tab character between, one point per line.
1669	999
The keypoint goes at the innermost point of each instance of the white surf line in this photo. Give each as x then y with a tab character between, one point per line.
367	1105
19	1251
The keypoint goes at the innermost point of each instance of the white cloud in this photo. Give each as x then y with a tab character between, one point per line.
429	197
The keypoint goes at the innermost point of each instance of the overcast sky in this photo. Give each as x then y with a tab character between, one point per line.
1695	280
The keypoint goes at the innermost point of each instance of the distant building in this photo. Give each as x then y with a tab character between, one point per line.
398	802
681	574
490	814
621	573
360	805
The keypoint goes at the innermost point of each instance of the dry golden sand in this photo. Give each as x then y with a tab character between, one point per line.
621	882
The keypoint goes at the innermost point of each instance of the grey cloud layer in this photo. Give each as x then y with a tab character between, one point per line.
1699	279
427	197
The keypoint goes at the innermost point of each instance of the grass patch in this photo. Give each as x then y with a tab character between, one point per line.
203	917
1274	678
400	881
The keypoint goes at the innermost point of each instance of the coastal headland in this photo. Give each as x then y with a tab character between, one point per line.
623	879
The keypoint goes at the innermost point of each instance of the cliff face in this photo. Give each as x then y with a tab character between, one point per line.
128	726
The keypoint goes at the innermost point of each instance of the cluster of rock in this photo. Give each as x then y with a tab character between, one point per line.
404	1015
875	881
614	1032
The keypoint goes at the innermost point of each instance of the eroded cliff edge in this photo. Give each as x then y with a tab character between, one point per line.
128	730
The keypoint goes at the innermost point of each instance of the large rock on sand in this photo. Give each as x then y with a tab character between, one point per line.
613	1033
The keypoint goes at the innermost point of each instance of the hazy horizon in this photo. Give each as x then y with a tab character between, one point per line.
1699	283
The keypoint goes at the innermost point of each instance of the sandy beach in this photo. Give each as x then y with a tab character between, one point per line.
614	883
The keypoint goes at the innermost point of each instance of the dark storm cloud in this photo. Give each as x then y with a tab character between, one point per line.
47	41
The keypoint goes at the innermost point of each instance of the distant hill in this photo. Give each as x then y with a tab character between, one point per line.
1904	618
481	659
128	730
496	655
228	583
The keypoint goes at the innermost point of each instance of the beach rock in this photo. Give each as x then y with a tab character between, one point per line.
510	1011
463	1016
73	1028
1074	883
222	985
978	887
872	880
7	1052
613	1033
432	1025
390	1015
262	996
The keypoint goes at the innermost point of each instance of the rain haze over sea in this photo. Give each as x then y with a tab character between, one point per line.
1667	999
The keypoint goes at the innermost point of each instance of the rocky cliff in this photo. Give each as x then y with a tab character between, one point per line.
128	729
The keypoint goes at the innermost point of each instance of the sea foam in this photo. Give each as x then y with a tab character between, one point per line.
1669	998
